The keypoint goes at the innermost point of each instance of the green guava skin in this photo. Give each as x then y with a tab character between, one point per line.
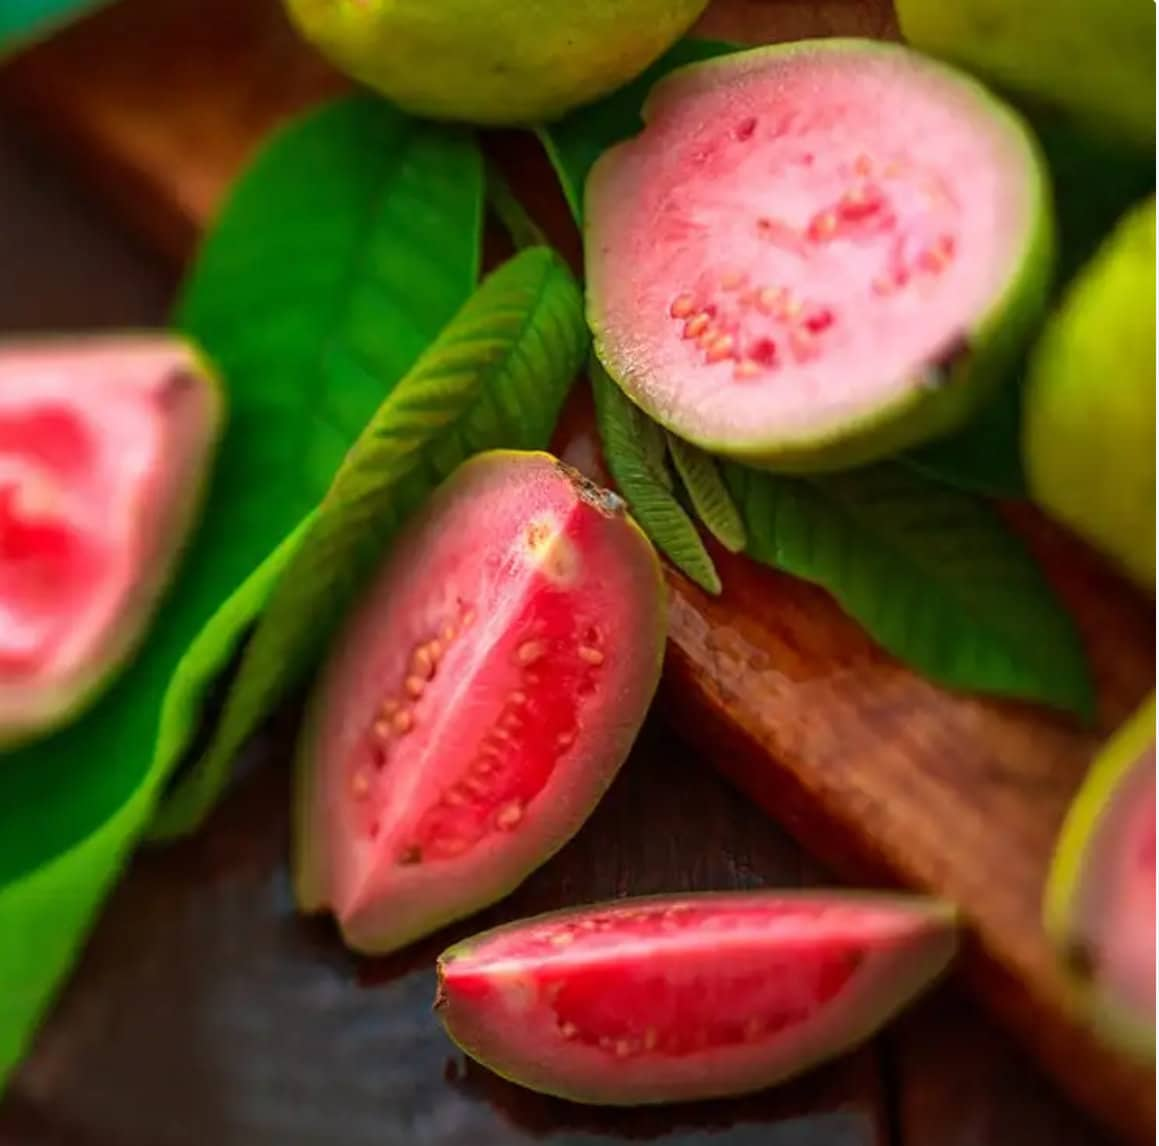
947	395
493	62
1094	59
1089	430
1085	828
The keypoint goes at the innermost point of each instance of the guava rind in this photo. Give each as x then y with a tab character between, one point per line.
493	63
1094	60
502	1032
1089	423
1093	823
172	372
395	905
942	395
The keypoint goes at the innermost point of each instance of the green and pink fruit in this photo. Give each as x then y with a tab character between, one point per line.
1099	909
1089	424
479	701
1093	58
696	996
493	61
105	446
818	253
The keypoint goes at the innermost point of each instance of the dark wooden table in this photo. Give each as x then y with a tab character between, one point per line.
206	1014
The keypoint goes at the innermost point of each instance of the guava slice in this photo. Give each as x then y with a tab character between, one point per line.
1099	908
1093	58
105	444
1089	422
663	999
479	700
817	253
493	61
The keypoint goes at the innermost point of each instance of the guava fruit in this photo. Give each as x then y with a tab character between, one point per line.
1099	908
1095	59
817	253
478	700
663	999
105	445
1089	422
492	61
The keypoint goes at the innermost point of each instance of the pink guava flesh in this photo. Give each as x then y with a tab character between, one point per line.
803	237
1114	937
103	446
479	701
654	1000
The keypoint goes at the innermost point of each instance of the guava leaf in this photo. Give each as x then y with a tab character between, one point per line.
347	246
636	452
931	573
985	456
574	143
497	376
708	493
22	21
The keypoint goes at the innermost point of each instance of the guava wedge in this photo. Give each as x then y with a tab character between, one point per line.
493	61
815	254
1099	908
1089	421
1095	59
478	701
105	447
663	999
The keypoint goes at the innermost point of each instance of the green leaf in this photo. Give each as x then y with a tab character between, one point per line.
496	377
22	21
931	573
985	456
313	296
708	493
636	453
578	140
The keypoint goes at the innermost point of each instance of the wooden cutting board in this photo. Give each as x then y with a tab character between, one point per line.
886	777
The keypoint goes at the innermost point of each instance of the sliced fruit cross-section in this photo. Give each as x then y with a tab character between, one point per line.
479	701
674	998
816	253
104	448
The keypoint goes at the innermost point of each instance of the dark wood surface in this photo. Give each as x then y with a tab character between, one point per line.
887	777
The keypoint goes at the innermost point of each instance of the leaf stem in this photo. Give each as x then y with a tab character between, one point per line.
524	231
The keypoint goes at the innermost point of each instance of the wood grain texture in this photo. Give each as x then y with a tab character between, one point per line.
884	775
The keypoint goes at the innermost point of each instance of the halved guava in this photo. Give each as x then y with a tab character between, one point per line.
105	445
1099	908
493	61
663	999
479	700
817	253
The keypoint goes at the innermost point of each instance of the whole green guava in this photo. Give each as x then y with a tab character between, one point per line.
493	61
1089	432
1092	58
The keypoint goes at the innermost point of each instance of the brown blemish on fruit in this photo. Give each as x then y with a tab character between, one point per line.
407	858
942	368
603	501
